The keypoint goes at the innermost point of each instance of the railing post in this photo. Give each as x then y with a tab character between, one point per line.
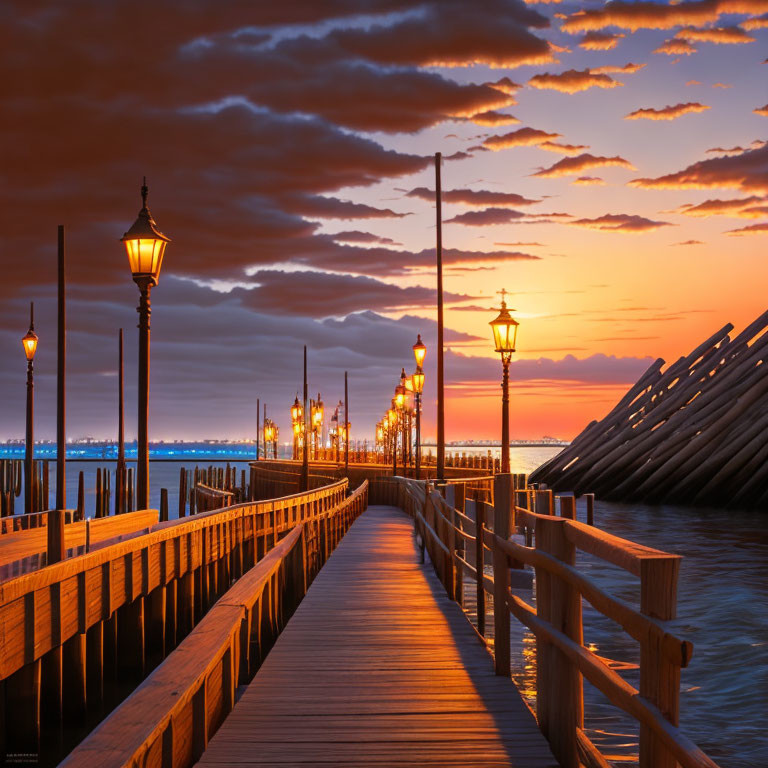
479	564
659	677
544	503
560	695
568	507
502	494
590	497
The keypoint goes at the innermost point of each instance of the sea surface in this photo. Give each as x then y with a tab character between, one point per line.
722	610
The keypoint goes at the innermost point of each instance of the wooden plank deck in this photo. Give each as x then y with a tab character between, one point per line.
378	667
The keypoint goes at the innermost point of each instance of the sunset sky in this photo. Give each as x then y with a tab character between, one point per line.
605	163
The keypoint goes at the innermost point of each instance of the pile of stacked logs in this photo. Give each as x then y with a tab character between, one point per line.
695	433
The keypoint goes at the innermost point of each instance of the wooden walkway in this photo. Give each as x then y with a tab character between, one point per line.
378	667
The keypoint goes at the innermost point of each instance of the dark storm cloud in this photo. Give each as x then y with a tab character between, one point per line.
245	129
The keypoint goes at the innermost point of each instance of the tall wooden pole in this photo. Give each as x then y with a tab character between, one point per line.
61	384
305	458
120	479
505	417
440	380
29	440
258	425
142	458
346	426
56	551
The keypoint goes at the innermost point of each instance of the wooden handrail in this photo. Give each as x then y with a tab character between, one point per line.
617	690
168	720
97	583
557	620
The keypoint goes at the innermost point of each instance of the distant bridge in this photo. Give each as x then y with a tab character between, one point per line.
308	628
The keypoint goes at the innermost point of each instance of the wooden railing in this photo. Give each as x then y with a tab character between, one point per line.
25	550
207	498
112	614
458	544
169	719
15	523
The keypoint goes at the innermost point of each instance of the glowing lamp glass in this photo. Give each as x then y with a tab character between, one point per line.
504	329
30	344
145	256
418	381
419	352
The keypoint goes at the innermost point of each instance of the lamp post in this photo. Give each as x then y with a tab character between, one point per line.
29	342
392	424
419	353
400	391
318	411
297	412
145	245
505	337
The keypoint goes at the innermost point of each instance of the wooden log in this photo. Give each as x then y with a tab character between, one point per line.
80	497
163	505
99	495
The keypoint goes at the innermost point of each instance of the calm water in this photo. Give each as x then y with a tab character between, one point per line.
722	609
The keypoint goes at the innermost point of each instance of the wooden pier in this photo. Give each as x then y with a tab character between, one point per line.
374	661
379	667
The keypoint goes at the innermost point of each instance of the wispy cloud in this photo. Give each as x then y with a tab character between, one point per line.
573	81
752	229
588	181
676	48
573	165
747	171
523	137
670	112
600	41
621	222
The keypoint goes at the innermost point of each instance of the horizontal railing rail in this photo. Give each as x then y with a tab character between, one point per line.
26	550
79	633
169	719
458	544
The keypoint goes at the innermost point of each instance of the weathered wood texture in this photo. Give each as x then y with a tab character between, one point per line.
378	667
562	658
94	585
25	550
122	592
169	719
695	433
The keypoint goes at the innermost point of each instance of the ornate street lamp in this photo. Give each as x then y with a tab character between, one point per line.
392	423
504	337
297	421
29	342
318	411
417	382
296	410
145	245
